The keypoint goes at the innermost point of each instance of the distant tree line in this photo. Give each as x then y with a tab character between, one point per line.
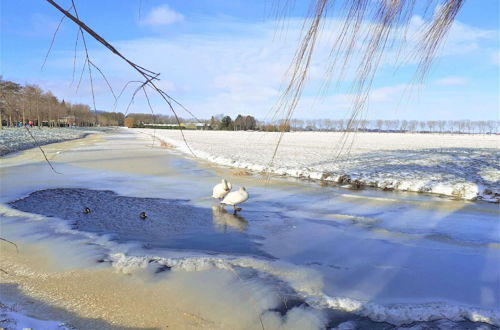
22	105
379	125
242	122
216	122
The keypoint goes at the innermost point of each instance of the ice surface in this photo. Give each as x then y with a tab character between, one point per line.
10	319
463	166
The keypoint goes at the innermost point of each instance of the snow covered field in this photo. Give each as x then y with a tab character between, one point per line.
16	139
463	166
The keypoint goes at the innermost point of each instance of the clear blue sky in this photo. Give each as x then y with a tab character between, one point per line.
230	57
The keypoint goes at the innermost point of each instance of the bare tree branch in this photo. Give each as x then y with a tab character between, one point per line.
148	75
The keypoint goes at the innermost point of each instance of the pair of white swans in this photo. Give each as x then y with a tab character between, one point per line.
222	191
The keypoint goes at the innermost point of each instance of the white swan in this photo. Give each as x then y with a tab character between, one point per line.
235	198
221	189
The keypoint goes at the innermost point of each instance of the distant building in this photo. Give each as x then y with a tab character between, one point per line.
67	121
202	126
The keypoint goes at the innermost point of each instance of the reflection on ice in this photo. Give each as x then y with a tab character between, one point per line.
222	219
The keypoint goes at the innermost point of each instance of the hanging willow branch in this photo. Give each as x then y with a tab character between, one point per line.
385	18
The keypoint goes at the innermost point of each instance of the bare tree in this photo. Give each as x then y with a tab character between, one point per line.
431	124
441	125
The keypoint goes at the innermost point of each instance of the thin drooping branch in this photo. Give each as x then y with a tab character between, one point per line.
105	79
289	99
81	74
74	57
152	112
43	152
53	39
17	250
88	61
436	32
123	90
6	240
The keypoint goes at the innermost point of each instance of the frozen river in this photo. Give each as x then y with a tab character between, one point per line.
298	255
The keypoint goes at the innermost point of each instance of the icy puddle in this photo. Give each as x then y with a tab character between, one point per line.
168	224
298	256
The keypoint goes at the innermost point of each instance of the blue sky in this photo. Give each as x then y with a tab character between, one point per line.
230	57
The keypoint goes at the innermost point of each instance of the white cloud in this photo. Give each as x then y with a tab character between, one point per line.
391	93
240	67
162	15
452	81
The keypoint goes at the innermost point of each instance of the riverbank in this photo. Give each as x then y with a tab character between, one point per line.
459	166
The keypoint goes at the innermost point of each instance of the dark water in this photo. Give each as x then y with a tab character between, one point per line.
170	223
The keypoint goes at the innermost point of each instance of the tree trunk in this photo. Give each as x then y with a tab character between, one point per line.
38	114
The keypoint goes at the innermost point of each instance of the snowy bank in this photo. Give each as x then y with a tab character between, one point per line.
463	166
17	139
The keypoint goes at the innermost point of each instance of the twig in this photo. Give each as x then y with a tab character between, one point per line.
89	64
6	240
123	90
154	121
105	79
81	75
53	39
74	57
43	152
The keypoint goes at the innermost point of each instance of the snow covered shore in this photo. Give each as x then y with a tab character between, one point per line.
463	166
17	139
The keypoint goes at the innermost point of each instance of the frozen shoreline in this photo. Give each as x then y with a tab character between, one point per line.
461	166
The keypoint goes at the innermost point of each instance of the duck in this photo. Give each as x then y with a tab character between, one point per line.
143	215
221	189
235	198
86	210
